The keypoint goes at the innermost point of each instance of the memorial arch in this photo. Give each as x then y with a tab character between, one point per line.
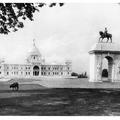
105	53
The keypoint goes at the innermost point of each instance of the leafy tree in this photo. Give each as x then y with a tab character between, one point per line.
82	75
12	15
79	76
74	74
85	75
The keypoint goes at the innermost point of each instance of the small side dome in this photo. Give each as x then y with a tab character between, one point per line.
68	62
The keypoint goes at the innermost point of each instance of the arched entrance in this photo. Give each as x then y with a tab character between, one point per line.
105	73
35	71
107	66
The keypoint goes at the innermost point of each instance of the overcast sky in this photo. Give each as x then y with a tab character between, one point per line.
62	33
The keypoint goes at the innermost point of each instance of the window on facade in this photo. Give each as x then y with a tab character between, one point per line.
61	73
7	73
34	57
0	67
0	72
26	73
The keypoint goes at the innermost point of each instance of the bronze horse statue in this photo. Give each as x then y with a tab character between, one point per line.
14	86
105	35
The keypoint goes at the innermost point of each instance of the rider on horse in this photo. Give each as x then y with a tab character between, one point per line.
106	32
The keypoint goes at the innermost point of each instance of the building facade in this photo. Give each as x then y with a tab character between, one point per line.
36	67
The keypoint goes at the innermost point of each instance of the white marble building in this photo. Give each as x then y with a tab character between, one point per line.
35	67
101	54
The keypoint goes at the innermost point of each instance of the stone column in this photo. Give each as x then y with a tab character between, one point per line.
99	72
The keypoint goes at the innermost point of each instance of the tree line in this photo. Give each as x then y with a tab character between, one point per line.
82	75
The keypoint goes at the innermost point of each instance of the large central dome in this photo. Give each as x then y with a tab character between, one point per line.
35	56
105	47
35	51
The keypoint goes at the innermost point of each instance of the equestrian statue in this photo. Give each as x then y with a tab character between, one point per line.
105	34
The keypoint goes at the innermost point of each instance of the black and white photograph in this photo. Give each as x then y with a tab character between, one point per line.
59	58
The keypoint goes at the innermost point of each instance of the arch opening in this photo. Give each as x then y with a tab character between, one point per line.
105	73
35	71
107	66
